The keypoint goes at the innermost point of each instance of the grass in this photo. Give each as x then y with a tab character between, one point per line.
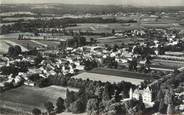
26	98
3	47
120	73
99	28
6	111
11	43
112	75
109	78
25	43
51	44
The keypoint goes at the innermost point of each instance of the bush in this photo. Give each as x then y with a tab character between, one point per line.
49	107
60	105
36	111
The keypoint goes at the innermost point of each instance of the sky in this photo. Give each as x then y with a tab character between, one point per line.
105	2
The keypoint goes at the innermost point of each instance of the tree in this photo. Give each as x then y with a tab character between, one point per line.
168	98
11	50
115	48
113	31
49	107
82	41
77	106
160	95
122	45
60	105
170	109
36	111
140	106
134	63
70	98
92	106
18	49
20	37
14	50
106	93
91	40
38	59
176	71
162	107
117	97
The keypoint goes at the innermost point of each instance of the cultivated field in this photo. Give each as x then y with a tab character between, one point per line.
167	64
26	98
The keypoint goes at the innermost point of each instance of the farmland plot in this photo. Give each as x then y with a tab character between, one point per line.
168	64
26	98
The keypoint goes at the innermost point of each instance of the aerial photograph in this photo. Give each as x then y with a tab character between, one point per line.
91	57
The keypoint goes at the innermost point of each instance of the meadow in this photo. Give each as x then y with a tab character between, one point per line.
26	98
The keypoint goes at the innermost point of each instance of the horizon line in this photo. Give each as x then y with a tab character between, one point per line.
92	4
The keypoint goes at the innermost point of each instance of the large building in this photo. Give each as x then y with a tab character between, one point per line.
146	95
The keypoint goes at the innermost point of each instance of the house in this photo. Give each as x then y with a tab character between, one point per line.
29	83
137	94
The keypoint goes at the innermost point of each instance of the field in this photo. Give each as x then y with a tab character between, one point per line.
5	44
3	47
49	43
167	64
114	40
12	35
26	98
69	113
25	44
18	18
112	76
109	78
102	28
120	73
5	111
11	43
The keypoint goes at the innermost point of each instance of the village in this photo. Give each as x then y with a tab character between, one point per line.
93	68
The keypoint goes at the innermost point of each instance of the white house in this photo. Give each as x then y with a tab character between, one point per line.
145	94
